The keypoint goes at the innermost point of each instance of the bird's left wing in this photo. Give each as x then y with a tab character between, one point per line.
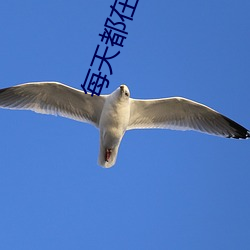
53	98
182	114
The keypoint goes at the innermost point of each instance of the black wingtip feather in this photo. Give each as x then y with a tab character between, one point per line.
239	131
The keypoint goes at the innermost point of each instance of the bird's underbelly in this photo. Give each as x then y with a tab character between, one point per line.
113	124
112	131
111	136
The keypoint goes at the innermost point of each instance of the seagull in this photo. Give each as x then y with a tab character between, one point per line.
116	113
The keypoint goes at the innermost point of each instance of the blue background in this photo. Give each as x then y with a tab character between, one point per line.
169	189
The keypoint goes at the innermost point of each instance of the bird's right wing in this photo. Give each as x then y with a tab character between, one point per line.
53	98
182	114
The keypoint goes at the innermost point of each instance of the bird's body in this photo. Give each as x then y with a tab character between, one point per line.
113	124
116	113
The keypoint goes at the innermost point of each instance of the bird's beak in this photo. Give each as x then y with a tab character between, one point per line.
122	88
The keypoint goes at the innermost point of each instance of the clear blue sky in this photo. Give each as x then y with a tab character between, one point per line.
169	189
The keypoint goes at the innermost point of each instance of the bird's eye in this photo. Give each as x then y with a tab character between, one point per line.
126	93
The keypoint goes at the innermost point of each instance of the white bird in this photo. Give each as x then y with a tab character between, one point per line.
116	113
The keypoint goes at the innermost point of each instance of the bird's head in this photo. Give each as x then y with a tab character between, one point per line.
121	94
124	91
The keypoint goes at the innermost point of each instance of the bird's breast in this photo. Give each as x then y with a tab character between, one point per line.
114	119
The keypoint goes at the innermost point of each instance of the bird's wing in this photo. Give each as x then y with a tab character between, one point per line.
53	98
182	114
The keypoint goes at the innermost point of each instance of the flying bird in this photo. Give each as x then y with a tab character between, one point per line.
116	113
